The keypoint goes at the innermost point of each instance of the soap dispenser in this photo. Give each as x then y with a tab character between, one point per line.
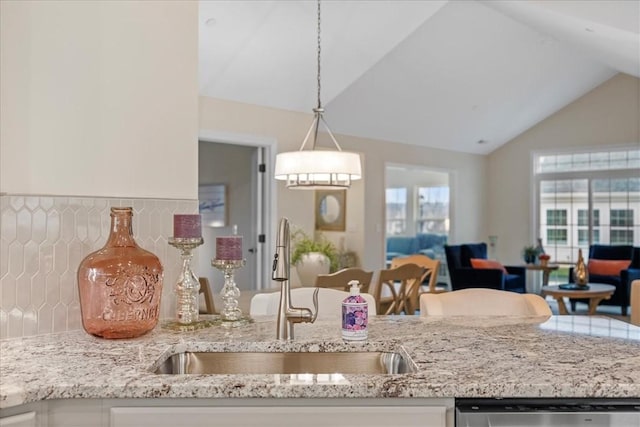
355	314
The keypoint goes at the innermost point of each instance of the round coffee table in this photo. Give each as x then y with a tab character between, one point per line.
596	293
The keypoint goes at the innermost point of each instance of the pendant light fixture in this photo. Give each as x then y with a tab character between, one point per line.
318	169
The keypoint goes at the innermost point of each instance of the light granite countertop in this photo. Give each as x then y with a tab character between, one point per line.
565	356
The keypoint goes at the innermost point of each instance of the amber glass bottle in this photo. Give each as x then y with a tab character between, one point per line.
580	272
120	285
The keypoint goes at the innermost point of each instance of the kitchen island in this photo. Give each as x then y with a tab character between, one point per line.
559	357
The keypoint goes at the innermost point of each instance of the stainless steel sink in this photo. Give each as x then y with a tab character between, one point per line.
374	362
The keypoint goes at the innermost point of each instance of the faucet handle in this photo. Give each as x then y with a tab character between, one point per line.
315	305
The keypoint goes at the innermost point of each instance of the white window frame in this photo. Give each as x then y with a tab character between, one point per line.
589	175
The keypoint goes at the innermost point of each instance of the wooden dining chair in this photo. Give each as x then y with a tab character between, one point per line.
398	283
205	289
432	266
340	279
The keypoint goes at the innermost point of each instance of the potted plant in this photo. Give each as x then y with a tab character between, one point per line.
529	253
312	256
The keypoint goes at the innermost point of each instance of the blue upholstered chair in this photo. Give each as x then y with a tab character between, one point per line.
464	276
622	295
399	246
429	244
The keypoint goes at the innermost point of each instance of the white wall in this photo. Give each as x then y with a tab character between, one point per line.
99	98
609	115
407	175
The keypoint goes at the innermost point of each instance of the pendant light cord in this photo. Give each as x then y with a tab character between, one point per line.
318	111
319	103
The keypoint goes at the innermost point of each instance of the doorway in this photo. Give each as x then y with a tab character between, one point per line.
242	169
417	200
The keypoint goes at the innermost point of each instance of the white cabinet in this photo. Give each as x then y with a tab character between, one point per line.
236	412
76	413
280	416
27	419
27	415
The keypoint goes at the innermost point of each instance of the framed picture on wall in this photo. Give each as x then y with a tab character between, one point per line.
331	210
213	204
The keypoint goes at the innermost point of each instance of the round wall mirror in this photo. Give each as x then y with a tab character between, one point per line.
330	210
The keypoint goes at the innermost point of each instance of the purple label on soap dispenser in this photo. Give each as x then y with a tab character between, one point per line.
354	321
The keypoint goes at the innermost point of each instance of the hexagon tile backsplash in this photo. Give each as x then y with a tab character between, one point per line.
44	238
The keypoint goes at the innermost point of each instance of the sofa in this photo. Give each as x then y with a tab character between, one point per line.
429	244
622	281
463	275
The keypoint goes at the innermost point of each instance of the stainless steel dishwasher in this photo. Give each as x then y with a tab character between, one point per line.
547	412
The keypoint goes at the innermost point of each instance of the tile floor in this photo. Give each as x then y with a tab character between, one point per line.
583	309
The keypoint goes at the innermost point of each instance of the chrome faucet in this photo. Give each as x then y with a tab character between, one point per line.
288	315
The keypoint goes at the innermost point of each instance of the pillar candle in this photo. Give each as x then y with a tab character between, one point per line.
187	226
229	248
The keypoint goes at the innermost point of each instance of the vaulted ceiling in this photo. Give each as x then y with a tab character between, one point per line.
443	74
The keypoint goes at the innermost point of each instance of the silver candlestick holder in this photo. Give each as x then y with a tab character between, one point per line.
230	292
187	288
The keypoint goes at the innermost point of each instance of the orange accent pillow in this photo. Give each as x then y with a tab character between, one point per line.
488	264
607	267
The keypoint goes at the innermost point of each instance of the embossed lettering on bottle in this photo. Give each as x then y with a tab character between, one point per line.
120	285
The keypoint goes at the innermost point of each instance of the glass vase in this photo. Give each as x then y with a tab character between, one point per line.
120	285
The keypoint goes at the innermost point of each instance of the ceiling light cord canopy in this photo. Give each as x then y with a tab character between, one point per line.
318	169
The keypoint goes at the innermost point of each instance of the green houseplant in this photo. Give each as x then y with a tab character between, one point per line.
530	253
312	256
304	244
